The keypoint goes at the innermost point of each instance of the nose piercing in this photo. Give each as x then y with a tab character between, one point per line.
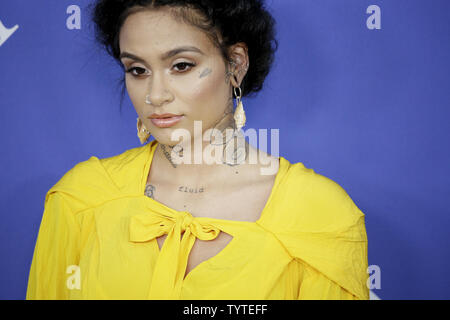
147	99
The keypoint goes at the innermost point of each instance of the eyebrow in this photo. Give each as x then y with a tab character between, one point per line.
165	56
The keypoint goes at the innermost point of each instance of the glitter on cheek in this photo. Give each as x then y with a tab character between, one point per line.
205	72
206	87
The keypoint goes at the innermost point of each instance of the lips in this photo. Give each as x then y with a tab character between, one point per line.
165	120
161	116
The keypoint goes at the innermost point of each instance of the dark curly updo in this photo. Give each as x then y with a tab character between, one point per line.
231	20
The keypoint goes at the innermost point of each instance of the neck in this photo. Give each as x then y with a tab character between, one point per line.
223	146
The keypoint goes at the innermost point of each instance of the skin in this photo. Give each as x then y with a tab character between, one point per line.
200	93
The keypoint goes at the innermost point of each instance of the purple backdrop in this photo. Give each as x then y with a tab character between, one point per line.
368	108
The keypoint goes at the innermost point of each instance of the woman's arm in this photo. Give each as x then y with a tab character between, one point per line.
56	249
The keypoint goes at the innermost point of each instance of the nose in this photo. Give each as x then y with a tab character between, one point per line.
159	93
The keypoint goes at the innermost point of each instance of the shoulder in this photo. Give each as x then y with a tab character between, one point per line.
81	174
94	180
318	223
126	164
313	201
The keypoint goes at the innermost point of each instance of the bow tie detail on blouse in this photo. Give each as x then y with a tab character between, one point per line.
171	265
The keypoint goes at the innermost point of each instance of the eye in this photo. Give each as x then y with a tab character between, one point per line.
131	70
183	66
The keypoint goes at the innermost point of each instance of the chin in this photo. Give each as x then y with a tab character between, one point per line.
165	138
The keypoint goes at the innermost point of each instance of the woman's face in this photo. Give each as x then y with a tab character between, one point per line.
191	83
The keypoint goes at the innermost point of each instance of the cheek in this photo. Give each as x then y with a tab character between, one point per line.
208	92
208	85
136	92
132	88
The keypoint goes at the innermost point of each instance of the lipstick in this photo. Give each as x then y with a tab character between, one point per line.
165	120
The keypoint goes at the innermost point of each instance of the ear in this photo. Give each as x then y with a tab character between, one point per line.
239	63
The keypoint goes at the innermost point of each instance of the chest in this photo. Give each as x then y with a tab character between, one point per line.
242	203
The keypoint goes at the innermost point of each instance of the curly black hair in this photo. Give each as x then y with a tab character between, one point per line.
232	21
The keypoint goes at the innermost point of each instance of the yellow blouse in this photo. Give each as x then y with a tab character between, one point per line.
97	240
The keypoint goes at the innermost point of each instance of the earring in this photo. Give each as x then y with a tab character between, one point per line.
239	114
142	132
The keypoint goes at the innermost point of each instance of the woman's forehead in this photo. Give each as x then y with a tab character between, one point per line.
161	31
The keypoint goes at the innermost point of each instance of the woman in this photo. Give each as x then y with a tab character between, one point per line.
155	222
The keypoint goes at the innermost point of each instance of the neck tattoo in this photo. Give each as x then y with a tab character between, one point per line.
235	148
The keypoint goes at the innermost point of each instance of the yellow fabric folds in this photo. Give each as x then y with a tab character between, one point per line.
309	243
172	261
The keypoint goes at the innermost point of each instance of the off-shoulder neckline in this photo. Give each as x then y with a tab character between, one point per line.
284	165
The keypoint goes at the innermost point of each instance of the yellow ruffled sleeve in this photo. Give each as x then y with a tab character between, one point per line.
60	235
333	269
324	231
56	249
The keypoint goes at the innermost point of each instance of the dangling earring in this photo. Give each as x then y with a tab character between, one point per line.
239	114
142	132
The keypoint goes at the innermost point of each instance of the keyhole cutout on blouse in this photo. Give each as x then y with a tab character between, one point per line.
202	250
